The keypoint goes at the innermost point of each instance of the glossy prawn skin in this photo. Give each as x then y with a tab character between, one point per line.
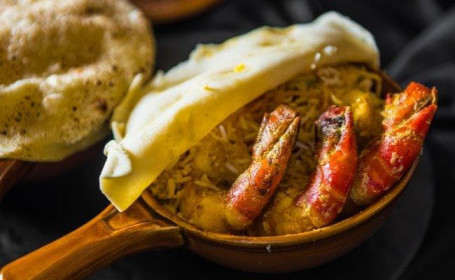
400	107
337	163
254	188
321	202
407	117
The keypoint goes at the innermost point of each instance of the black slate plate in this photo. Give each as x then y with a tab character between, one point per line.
33	215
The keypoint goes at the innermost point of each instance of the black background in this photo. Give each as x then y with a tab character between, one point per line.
417	42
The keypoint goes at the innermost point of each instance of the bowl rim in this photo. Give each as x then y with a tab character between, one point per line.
261	242
289	239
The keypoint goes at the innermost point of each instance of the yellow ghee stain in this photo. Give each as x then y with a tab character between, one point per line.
239	68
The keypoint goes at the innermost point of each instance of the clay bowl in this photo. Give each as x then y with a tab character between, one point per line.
13	172
147	225
168	11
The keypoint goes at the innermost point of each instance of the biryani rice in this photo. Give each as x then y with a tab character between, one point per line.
213	165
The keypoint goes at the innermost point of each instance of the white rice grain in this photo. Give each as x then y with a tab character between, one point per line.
231	168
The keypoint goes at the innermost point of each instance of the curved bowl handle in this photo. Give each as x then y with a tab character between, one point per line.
11	172
106	238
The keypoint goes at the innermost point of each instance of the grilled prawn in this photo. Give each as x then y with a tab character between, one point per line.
254	188
407	117
320	203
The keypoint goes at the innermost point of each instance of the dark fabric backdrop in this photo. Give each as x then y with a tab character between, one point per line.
417	42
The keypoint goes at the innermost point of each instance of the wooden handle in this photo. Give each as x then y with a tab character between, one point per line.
11	172
106	238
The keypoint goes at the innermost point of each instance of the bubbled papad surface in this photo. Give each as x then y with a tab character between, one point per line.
64	66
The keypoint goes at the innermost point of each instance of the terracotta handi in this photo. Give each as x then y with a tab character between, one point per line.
167	11
13	172
148	225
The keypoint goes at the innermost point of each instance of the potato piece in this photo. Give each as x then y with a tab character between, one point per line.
213	158
210	158
204	208
366	112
